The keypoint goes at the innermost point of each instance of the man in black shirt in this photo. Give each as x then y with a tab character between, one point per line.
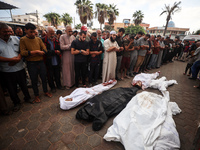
80	50
119	53
96	50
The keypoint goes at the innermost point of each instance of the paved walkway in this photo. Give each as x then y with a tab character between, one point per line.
46	126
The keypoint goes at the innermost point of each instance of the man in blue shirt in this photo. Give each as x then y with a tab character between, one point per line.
11	66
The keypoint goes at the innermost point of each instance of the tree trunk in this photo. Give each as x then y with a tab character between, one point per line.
166	27
100	26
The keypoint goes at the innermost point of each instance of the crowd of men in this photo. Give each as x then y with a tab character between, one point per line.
64	60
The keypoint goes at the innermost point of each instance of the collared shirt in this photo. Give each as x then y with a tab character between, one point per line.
54	59
141	42
10	49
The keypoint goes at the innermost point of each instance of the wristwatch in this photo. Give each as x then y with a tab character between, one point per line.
80	51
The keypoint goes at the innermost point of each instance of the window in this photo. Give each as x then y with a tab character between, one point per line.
25	19
14	20
19	19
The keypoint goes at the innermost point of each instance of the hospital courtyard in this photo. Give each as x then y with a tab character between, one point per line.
45	126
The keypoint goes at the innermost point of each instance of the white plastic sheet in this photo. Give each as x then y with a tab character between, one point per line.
80	95
145	124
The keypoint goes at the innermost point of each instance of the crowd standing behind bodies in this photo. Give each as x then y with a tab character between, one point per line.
82	56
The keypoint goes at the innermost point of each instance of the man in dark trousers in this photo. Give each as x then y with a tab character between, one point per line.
52	59
96	50
80	49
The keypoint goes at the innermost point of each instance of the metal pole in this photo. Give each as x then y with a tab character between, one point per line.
11	15
74	22
37	16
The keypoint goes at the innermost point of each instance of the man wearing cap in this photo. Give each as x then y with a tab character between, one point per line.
84	28
110	58
96	50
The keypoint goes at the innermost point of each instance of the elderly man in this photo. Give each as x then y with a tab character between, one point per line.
110	58
52	60
67	58
80	49
33	49
11	66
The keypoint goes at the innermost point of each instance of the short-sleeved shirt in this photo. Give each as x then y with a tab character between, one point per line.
96	47
141	42
10	49
197	52
80	45
120	43
127	53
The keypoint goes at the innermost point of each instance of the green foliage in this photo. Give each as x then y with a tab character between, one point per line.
78	26
197	32
101	13
138	17
84	10
107	27
67	19
53	18
112	13
134	29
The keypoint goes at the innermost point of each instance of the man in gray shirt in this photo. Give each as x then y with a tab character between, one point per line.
144	45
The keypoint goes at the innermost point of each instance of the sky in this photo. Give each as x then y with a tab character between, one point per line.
187	17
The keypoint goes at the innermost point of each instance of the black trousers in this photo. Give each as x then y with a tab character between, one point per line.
12	79
94	71
36	68
53	75
80	70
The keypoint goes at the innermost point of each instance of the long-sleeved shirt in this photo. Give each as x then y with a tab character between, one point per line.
27	45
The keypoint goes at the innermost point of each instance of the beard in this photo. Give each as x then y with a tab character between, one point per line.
112	40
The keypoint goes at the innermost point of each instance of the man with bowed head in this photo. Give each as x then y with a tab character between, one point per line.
110	58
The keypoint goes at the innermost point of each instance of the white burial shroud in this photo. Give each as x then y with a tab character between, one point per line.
145	78
80	95
146	122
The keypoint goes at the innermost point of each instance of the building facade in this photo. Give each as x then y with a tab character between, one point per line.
28	17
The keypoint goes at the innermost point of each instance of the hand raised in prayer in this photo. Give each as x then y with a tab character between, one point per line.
57	52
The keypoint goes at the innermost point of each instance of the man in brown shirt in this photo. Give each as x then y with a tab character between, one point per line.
33	49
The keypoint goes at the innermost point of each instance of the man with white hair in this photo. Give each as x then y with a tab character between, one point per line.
52	60
110	58
68	73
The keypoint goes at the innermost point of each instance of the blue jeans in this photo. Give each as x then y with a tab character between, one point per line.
36	68
195	69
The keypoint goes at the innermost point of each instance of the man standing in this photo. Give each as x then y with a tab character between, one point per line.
144	46
129	47
162	46
58	34
33	49
80	49
99	37
134	54
96	50
11	66
19	32
154	56
52	59
110	58
119	41
67	58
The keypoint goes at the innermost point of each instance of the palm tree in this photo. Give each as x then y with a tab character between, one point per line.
53	18
78	26
101	13
138	17
170	11
112	13
66	18
84	9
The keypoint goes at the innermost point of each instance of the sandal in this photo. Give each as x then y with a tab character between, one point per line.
48	94
37	100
